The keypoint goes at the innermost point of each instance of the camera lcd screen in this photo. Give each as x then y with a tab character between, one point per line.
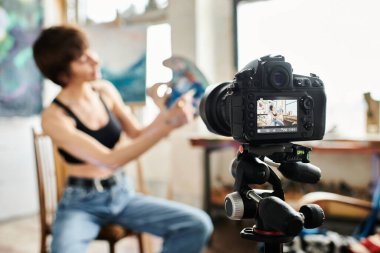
276	116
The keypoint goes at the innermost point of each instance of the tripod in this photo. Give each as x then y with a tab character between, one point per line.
276	221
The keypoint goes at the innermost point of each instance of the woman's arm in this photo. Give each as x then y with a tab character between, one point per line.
126	117
64	134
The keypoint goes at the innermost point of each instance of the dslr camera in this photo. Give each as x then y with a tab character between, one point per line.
266	103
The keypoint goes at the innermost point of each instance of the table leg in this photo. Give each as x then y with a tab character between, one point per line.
375	171
207	181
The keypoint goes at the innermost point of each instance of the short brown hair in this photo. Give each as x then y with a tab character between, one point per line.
56	48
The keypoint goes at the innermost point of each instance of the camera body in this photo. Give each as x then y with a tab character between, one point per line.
267	103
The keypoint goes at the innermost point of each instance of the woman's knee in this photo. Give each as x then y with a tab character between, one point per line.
203	225
72	231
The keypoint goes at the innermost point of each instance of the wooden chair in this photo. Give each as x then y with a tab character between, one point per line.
51	180
344	214
339	206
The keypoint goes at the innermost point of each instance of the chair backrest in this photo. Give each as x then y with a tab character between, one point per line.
51	176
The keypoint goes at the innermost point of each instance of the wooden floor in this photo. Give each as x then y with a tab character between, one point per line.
226	238
22	236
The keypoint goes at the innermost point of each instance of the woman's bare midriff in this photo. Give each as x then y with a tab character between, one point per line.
88	171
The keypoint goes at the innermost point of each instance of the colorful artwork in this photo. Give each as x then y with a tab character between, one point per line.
20	80
122	51
187	78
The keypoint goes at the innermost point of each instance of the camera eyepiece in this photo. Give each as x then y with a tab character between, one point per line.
279	77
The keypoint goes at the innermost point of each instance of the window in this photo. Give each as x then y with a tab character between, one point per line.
158	49
100	11
337	40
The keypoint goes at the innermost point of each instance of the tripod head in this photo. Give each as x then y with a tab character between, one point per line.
276	221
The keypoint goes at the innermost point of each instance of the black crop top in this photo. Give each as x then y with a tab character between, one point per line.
107	135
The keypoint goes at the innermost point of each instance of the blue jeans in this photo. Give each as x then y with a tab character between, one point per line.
82	212
276	122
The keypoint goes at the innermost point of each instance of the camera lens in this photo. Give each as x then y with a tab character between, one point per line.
279	77
213	109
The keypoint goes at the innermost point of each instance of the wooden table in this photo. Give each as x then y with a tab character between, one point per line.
331	144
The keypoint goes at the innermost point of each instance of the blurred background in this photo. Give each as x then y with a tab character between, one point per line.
339	40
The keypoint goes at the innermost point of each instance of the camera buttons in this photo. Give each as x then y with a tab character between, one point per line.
308	125
307	102
305	119
297	82
317	83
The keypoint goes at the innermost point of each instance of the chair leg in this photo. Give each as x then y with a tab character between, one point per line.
141	243
43	244
112	247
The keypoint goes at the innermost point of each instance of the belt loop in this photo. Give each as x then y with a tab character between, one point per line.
98	185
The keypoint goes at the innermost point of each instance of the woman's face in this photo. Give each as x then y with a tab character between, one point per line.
85	68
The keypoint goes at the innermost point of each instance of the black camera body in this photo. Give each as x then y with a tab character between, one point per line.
267	103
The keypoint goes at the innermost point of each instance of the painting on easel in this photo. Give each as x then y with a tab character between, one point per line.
123	53
20	80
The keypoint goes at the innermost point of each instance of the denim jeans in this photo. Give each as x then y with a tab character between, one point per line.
276	122
82	212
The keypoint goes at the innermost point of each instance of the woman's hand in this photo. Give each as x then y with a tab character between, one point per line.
181	113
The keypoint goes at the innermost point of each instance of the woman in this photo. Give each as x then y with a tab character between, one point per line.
276	117
90	124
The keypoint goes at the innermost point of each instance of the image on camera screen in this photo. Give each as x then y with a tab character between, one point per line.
276	116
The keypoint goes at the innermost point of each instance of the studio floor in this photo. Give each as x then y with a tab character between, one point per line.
22	236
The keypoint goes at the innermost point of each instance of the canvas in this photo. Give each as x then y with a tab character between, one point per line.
20	80
122	50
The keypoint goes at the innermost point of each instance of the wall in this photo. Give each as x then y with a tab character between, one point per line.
18	192
199	32
214	39
18	185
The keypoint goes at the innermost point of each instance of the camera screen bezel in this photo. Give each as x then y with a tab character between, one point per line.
276	127
250	131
